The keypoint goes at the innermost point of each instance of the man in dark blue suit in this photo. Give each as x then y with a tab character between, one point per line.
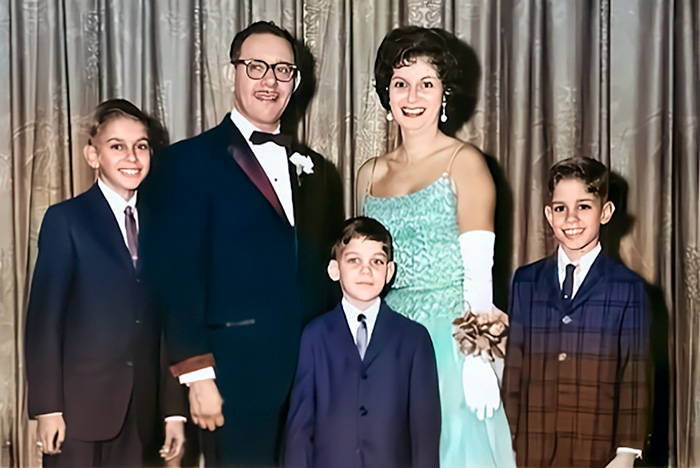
366	391
92	333
237	230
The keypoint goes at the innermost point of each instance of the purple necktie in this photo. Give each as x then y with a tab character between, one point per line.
132	240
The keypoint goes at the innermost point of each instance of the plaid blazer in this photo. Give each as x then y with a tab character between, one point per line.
575	380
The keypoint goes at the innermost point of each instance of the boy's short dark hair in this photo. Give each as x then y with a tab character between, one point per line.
366	228
111	109
591	172
260	27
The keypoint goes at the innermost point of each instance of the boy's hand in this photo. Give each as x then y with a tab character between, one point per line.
50	432
173	446
205	404
622	460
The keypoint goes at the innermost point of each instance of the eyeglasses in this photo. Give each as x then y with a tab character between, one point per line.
256	69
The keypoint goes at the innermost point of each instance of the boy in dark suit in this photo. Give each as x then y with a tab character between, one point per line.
92	341
366	389
575	381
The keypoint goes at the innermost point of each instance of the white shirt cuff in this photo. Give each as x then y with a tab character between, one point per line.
637	453
57	413
176	418
196	376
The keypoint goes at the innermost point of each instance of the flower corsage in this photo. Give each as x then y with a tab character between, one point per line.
304	164
482	334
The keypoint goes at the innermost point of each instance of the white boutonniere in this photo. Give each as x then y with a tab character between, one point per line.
304	164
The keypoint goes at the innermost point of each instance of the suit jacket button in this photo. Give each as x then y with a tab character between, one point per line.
130	363
562	356
363	376
363	411
138	322
566	320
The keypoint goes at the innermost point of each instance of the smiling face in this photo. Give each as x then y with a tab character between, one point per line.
575	216
263	101
362	269
121	154
415	95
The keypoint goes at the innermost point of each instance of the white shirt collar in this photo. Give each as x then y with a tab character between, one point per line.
583	266
351	313
244	126
116	202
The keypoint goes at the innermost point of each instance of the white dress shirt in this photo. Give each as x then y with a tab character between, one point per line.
118	205
273	159
352	312
583	266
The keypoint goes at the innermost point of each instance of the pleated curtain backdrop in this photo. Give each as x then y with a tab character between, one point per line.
616	80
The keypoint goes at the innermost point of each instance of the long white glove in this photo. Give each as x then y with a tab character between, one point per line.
480	381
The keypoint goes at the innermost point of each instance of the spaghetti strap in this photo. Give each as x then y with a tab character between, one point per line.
371	177
452	158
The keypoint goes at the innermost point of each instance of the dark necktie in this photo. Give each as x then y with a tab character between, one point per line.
362	335
567	288
132	239
259	138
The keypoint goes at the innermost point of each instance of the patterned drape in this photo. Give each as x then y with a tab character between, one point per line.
616	80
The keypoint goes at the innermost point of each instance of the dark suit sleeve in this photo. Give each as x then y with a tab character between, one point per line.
175	240
512	374
302	411
634	346
424	405
51	285
173	396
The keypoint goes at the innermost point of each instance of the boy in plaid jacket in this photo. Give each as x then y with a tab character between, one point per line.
575	380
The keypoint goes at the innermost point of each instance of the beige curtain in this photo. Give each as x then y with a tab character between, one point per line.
618	80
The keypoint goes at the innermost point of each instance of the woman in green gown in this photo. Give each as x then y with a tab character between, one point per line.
437	197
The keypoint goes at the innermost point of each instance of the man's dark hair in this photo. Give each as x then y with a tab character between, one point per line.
591	172
260	27
455	63
363	227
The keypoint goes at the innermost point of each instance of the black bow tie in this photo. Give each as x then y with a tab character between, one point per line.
258	138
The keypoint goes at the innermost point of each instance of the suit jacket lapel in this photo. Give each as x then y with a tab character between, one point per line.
342	335
100	219
549	282
245	158
594	276
380	334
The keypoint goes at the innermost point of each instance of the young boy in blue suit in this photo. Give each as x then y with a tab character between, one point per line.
92	337
366	389
575	380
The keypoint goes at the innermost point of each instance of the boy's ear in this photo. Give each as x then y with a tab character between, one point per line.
90	154
333	270
548	214
390	270
607	212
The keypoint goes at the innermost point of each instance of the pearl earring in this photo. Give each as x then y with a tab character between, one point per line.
389	116
443	116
